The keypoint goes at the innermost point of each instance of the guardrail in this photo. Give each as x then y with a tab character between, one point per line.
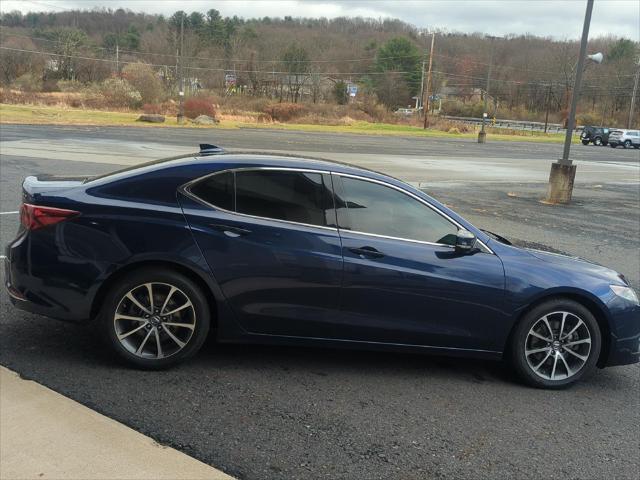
514	124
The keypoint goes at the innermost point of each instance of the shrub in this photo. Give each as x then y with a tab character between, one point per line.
589	118
70	86
283	112
153	108
456	108
264	118
340	92
374	110
120	93
196	106
28	83
144	79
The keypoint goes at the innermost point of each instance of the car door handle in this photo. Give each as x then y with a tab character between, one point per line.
230	230
367	252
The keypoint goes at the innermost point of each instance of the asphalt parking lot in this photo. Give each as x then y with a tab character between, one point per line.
267	412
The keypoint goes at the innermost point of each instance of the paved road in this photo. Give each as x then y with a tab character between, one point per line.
269	139
264	412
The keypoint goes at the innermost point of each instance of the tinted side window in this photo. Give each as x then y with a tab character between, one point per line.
216	190
284	195
372	208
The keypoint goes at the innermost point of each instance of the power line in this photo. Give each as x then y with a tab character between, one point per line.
48	5
270	72
274	61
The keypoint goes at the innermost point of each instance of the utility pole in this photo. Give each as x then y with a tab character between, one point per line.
117	58
181	92
422	84
482	135
563	172
425	104
547	101
633	96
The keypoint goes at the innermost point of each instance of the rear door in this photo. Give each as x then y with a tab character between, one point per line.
270	238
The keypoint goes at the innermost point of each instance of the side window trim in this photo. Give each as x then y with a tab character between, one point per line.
339	187
410	195
324	173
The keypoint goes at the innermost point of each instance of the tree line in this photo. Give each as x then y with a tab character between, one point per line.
314	60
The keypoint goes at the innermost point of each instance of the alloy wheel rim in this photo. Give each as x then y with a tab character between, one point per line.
558	346
154	320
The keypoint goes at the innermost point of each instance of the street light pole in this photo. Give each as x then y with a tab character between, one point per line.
563	172
482	135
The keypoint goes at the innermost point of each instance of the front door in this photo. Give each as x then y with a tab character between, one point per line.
270	239
403	280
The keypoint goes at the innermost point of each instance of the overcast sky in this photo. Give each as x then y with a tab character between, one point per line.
556	18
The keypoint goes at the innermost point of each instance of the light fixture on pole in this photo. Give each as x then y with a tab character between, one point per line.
563	172
596	57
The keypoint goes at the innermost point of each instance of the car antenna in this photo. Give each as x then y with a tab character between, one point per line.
208	149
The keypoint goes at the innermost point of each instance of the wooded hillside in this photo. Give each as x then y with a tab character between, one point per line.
312	61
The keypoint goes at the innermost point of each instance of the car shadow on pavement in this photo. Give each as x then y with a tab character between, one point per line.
38	344
37	339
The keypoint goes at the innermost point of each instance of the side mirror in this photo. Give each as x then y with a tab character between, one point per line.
465	241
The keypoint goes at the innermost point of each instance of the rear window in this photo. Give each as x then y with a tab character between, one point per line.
216	190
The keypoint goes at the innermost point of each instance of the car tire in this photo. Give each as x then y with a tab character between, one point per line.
627	144
613	145
154	334
597	141
585	142
560	360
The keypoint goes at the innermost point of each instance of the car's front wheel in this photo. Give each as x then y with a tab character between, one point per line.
627	144
556	344
154	318
585	142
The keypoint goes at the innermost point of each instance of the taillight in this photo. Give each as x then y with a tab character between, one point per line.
33	217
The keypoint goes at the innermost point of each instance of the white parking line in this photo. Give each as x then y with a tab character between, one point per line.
9	213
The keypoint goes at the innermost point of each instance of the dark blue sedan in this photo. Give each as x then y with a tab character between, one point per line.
301	251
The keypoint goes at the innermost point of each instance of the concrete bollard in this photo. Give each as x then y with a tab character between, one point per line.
561	181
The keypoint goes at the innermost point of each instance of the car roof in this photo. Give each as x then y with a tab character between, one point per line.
240	159
224	160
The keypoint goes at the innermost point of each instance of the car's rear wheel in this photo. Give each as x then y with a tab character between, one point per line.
155	318
556	344
613	145
597	141
627	144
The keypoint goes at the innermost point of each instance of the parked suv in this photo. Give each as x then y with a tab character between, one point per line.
626	138
595	135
